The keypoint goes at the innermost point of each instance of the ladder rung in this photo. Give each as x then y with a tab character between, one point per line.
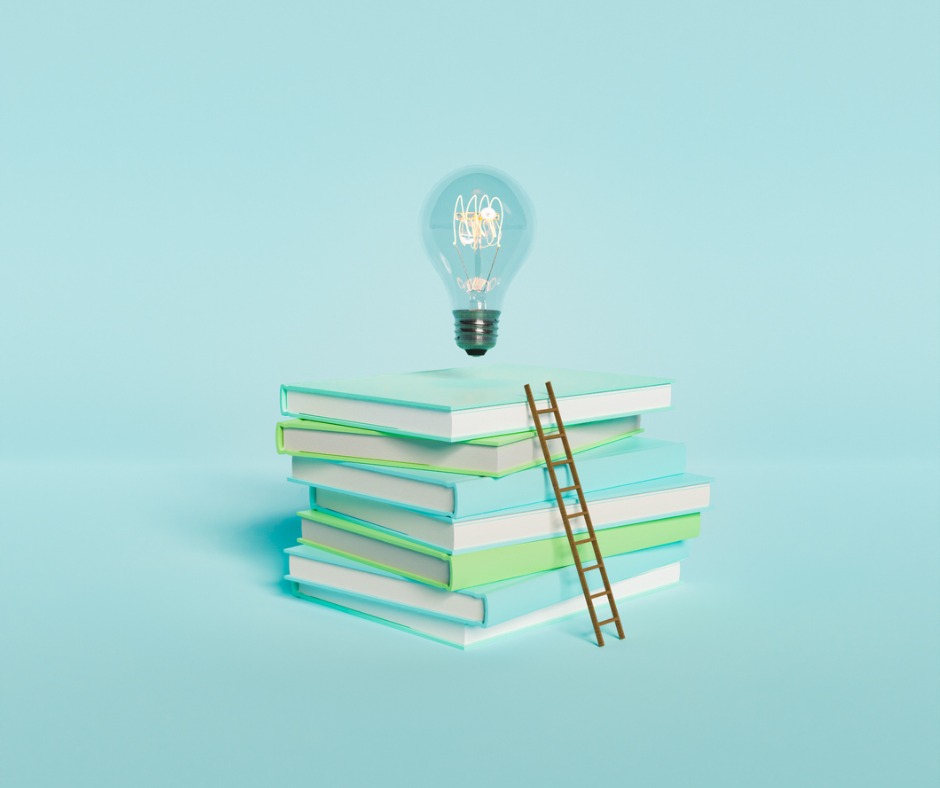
545	410
574	514
606	621
599	593
589	568
568	489
585	541
560	462
552	436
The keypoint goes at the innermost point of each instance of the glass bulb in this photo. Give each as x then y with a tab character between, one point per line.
477	225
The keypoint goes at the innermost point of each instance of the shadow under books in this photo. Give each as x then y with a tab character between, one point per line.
261	542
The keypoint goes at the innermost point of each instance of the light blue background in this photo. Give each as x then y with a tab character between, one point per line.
199	201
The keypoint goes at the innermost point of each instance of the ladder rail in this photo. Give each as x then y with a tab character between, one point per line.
562	506
576	480
583	511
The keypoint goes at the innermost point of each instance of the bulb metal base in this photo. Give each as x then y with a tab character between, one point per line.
475	329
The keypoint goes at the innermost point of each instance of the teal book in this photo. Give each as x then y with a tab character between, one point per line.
666	497
462	635
635	459
484	605
472	402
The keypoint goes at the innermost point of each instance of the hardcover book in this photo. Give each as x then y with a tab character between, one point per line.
666	497
460	495
463	635
497	455
455	571
485	605
472	402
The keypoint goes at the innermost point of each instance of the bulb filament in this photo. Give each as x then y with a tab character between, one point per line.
478	224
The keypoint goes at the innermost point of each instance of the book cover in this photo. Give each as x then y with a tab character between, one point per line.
497	455
628	461
469	402
462	635
485	605
664	497
455	571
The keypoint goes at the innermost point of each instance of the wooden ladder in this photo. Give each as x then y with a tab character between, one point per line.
567	517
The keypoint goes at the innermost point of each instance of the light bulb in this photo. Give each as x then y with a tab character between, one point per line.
477	226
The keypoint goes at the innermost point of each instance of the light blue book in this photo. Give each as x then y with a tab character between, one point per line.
486	605
456	633
471	402
666	497
460	495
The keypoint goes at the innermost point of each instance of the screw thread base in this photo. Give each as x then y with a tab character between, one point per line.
475	329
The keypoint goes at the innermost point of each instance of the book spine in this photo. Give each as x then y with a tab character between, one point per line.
376	564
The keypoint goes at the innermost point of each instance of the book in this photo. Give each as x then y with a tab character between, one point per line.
485	605
461	495
454	571
496	455
464	635
650	500
472	402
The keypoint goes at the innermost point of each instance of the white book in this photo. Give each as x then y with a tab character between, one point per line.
462	635
665	497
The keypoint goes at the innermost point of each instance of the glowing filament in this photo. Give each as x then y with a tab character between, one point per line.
477	284
478	224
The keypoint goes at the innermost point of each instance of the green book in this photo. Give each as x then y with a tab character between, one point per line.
495	456
386	550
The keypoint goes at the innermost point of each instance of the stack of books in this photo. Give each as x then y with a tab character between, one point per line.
431	509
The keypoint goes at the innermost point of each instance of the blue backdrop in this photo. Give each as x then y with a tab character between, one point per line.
200	201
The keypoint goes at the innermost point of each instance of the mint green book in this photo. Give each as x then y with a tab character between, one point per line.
494	456
455	571
471	402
